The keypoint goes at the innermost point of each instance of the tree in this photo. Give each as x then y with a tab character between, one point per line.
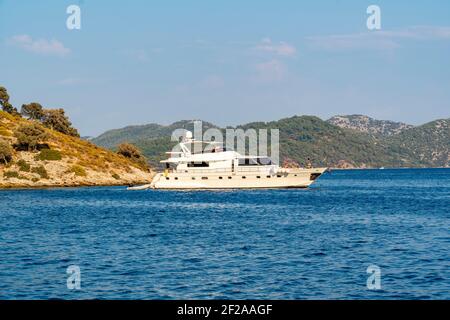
130	151
30	136
5	152
4	102
57	120
33	111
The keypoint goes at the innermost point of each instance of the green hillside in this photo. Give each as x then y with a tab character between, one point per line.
325	144
143	133
427	145
303	137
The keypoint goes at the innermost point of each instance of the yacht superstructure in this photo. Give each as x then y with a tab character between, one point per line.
214	167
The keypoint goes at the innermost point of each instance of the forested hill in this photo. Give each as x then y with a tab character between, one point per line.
325	143
369	125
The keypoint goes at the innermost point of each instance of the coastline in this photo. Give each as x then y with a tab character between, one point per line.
94	179
18	186
66	186
44	187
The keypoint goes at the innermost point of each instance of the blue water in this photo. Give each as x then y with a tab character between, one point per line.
272	244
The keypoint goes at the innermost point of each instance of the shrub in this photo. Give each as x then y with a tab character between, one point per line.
79	171
5	152
48	154
116	176
23	166
11	174
131	152
35	179
128	150
30	136
40	170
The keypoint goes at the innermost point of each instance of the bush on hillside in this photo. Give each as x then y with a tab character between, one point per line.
131	152
48	154
6	152
23	166
11	174
29	136
40	170
78	171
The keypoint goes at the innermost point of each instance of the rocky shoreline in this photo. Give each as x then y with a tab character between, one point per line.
59	186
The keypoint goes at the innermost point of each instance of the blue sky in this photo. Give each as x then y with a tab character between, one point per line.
228	62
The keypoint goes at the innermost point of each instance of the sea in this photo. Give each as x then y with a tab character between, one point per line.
355	234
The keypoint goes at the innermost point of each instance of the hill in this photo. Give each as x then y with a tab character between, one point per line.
369	125
62	160
325	143
303	137
426	145
112	138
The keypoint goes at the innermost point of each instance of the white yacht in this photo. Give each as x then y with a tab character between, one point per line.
216	168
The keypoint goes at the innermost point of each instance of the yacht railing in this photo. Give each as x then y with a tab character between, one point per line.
191	170
255	169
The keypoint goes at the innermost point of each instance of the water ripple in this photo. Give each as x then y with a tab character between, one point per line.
252	244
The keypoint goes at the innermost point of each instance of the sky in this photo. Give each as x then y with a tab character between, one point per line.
227	62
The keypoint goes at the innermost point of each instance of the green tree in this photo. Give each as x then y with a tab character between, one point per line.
5	152
30	136
4	102
33	111
130	151
57	120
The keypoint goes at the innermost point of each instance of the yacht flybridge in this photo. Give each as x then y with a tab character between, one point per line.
216	168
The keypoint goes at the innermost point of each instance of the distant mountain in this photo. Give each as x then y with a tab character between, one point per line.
369	125
112	138
426	145
303	137
382	143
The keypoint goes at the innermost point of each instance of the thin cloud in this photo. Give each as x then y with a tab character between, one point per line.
355	41
279	49
378	40
270	71
40	46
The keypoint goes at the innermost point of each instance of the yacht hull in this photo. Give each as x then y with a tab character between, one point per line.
287	178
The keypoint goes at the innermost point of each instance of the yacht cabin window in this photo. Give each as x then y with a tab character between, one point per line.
255	162
198	164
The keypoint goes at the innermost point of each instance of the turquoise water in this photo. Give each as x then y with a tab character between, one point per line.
272	244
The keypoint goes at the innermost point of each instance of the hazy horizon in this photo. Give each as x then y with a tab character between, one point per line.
227	63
